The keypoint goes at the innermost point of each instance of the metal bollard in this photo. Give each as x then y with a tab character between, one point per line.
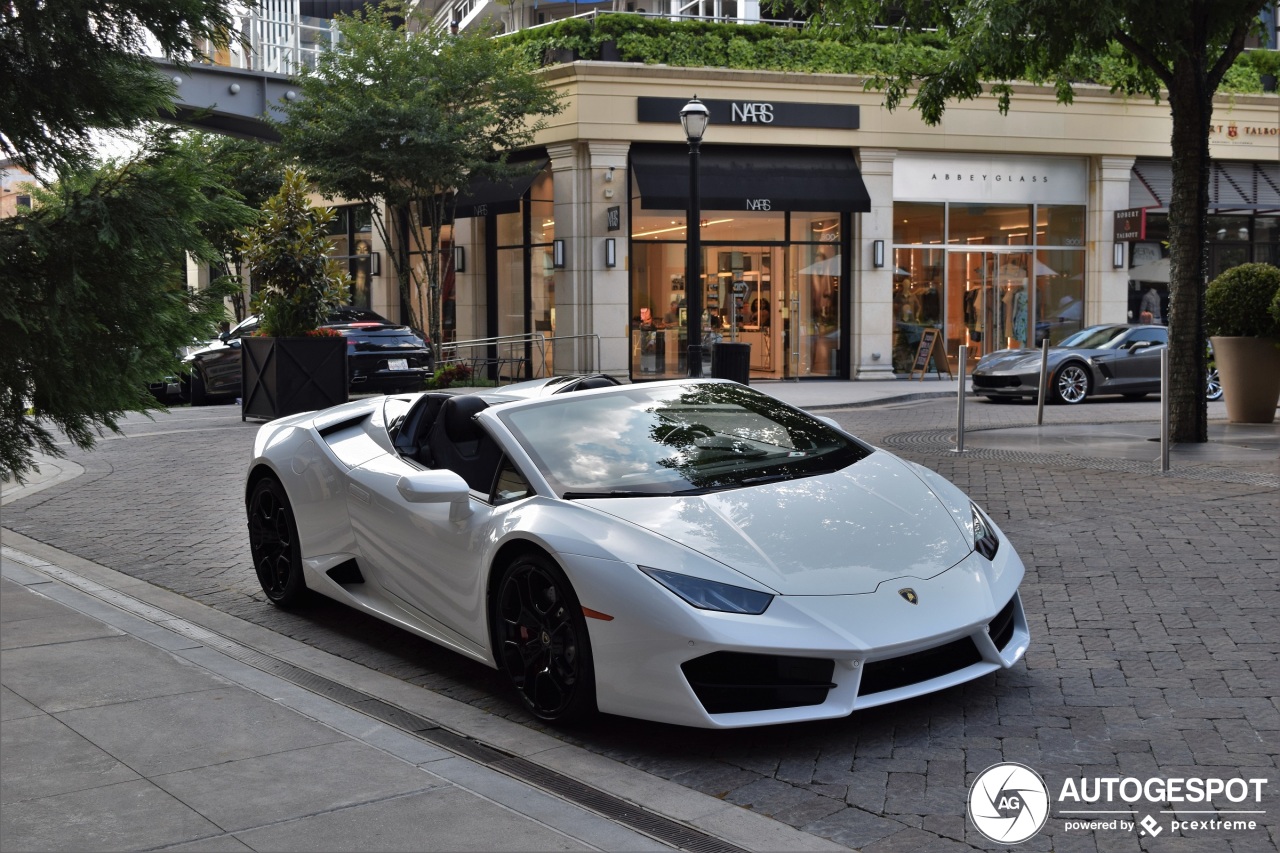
1041	389
964	360
1164	409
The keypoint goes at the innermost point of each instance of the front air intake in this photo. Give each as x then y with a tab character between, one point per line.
733	682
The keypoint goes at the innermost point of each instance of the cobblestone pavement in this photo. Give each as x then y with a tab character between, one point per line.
1153	605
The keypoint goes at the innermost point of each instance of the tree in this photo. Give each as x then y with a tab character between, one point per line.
93	296
1180	50
401	115
68	67
254	171
288	253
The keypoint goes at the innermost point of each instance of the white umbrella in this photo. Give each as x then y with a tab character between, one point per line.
827	266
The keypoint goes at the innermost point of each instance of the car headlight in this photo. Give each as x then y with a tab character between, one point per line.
710	595
985	540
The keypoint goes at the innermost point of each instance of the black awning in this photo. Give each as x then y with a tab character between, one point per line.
732	177
482	196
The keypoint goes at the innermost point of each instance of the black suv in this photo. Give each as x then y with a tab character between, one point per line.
382	358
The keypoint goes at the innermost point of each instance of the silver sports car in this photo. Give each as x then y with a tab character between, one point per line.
693	552
1108	359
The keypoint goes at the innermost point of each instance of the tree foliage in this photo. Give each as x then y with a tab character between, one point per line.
93	296
287	252
68	67
254	171
1180	51
403	114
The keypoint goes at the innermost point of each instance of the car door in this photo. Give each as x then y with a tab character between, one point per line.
430	556
1137	368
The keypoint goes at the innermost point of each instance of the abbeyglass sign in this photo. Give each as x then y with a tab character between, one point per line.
758	113
1010	179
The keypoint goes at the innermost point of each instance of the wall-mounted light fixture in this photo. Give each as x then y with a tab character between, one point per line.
608	175
610	252
877	253
1117	256
375	263
459	258
557	254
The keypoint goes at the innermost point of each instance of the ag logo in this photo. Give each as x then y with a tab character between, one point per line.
1008	803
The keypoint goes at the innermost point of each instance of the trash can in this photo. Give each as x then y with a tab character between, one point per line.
731	361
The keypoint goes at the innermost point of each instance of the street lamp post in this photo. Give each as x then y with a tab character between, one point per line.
694	117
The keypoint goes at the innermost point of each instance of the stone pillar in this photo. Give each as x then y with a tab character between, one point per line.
591	300
1106	288
873	288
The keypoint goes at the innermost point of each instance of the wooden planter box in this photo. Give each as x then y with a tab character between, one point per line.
284	376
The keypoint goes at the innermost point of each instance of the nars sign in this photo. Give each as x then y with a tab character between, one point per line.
771	113
759	204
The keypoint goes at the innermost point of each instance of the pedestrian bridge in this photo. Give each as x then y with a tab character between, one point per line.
235	90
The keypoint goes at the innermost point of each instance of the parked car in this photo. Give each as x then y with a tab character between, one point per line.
1107	359
691	551
382	357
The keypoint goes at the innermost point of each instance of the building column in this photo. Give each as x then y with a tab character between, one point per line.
1106	288
873	288
591	299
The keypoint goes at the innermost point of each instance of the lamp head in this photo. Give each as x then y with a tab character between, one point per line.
694	117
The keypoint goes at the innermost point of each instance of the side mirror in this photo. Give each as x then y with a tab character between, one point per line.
437	487
1137	345
224	336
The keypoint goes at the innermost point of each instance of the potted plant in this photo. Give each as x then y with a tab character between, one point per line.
293	365
1244	327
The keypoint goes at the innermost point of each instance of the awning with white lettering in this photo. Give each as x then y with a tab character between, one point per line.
484	196
739	177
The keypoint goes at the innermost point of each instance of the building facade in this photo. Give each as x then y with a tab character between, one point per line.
833	231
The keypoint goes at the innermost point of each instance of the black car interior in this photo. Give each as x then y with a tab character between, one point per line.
441	431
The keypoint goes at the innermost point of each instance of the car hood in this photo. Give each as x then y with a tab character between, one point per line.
1018	359
835	534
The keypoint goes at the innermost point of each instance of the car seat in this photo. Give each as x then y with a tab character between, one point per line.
459	443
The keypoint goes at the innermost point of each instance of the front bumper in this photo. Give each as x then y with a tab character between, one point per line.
665	661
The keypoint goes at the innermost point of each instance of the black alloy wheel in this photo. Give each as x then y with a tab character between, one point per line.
273	541
541	640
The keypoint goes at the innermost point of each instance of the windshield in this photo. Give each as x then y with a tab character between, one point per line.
1098	337
673	439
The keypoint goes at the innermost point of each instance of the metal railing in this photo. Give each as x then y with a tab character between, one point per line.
279	45
511	358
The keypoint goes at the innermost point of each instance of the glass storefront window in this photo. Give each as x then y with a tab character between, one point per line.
918	222
1060	225
815	228
993	287
717	226
990	225
1059	296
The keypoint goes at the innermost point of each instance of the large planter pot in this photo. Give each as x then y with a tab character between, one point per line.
1249	369
284	376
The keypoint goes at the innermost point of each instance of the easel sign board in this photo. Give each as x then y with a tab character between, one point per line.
924	354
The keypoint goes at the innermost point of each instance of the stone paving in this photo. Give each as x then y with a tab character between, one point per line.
1153	605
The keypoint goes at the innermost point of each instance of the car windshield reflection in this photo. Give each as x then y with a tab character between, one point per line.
675	439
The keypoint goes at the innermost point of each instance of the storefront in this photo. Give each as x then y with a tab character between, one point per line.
833	232
1243	225
775	249
989	249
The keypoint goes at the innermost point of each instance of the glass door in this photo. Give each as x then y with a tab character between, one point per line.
988	301
743	292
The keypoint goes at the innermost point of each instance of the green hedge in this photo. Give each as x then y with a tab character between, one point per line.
766	47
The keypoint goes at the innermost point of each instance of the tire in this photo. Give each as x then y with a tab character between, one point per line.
541	642
1071	384
1213	386
197	394
273	541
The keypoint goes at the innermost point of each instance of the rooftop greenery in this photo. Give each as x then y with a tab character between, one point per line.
770	47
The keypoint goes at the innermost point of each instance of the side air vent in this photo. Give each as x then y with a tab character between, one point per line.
728	682
346	573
